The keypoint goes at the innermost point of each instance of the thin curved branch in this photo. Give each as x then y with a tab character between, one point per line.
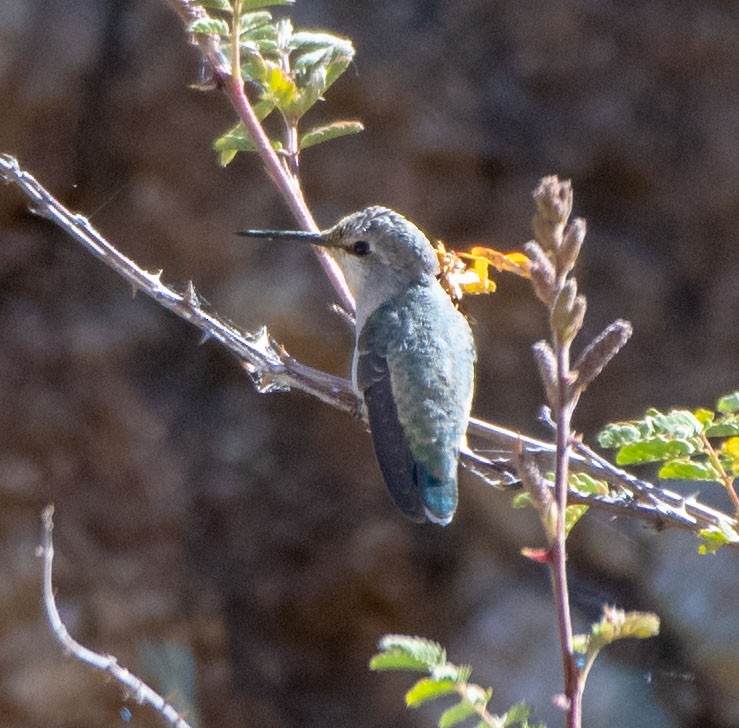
134	687
271	368
286	182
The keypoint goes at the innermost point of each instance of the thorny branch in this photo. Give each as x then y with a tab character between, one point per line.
273	369
134	688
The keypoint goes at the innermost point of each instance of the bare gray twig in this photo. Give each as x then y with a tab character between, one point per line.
134	688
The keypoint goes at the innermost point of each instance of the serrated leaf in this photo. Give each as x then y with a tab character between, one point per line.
303	39
728	403
253	21
456	714
334	130
449	671
216	5
396	660
684	469
516	714
655	449
428	689
236	140
247	5
208	26
431	654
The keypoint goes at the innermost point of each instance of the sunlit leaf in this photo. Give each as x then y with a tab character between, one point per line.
684	469
236	140
704	416
677	423
715	537
656	449
585	483
728	403
456	714
308	39
516	714
619	434
208	26
329	131
223	5
726	426
279	87
396	660
429	653
449	671
572	515
428	689
254	4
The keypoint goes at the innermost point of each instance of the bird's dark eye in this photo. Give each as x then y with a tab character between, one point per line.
361	247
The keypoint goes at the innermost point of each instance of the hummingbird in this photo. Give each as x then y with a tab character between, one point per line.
414	355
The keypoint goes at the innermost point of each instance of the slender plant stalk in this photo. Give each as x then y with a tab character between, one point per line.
228	77
558	560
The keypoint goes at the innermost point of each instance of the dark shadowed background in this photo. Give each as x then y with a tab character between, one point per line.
239	549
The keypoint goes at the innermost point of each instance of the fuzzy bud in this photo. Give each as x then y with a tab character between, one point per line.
553	207
600	351
571	243
547	365
542	272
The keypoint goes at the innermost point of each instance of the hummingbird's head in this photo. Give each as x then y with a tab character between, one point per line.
379	252
379	238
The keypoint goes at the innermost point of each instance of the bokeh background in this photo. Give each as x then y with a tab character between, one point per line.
239	550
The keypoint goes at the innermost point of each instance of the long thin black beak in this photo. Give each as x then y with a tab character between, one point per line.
296	235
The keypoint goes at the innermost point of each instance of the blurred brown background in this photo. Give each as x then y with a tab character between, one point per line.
240	549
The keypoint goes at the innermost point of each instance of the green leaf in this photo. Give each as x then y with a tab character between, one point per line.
279	88
236	140
216	5
396	660
516	714
522	500
684	469
727	426
572	515
618	434
325	133
456	714
254	4
677	423
584	483
449	671
656	449
728	403
617	624
209	26
309	39
428	689
430	654
715	537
